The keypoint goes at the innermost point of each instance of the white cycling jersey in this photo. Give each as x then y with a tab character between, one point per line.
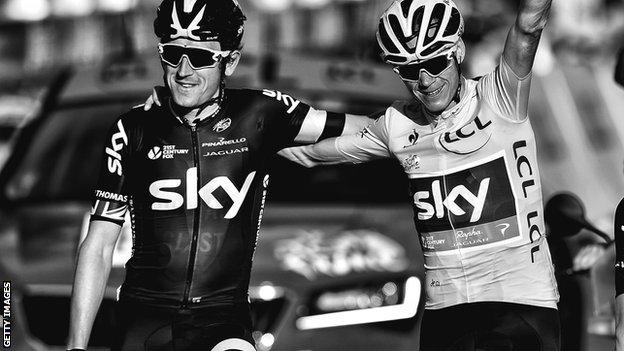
476	191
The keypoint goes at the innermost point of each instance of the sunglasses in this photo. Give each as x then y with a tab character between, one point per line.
433	67
197	57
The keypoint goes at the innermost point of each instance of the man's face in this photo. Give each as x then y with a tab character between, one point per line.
191	87
435	92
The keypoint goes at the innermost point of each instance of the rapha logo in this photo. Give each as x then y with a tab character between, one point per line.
503	228
155	153
222	125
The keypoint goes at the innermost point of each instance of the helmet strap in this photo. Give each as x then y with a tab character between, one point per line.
457	96
218	100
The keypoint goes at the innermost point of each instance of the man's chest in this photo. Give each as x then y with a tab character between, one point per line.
468	139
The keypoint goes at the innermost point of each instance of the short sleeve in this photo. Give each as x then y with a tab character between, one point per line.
506	93
110	196
293	122
371	143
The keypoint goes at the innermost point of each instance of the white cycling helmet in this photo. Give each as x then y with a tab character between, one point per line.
412	31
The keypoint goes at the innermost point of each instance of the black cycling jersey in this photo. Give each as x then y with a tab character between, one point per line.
196	192
618	232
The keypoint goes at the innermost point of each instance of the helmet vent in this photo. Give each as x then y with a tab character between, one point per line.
435	47
385	39
396	59
395	25
405	6
453	25
188	5
437	16
417	20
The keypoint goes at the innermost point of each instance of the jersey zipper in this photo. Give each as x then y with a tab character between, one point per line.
192	252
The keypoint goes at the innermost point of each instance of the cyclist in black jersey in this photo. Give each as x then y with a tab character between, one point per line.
193	175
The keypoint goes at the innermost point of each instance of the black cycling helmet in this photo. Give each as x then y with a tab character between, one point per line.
201	20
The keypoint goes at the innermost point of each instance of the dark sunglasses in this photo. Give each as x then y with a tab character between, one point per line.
197	57
433	66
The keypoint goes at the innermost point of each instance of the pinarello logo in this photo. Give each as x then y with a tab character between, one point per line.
155	153
222	125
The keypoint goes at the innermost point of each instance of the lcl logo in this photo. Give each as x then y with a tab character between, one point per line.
469	138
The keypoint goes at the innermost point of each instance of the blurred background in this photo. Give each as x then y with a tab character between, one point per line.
96	58
309	46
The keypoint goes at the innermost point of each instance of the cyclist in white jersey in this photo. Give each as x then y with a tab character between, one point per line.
468	149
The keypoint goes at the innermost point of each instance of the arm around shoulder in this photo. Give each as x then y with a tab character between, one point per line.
356	123
92	269
368	144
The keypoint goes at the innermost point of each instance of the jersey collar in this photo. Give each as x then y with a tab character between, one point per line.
447	116
206	113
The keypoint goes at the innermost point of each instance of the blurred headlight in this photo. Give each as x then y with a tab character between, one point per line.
376	303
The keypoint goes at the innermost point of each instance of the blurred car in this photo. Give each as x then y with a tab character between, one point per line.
337	263
15	111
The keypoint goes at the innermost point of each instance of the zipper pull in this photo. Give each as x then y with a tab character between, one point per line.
193	127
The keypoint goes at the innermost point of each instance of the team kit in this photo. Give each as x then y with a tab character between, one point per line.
192	169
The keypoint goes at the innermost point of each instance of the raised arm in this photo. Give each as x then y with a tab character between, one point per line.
95	258
524	36
368	144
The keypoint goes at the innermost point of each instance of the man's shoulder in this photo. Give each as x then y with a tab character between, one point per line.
396	118
242	97
246	93
264	93
137	117
276	101
137	114
406	112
